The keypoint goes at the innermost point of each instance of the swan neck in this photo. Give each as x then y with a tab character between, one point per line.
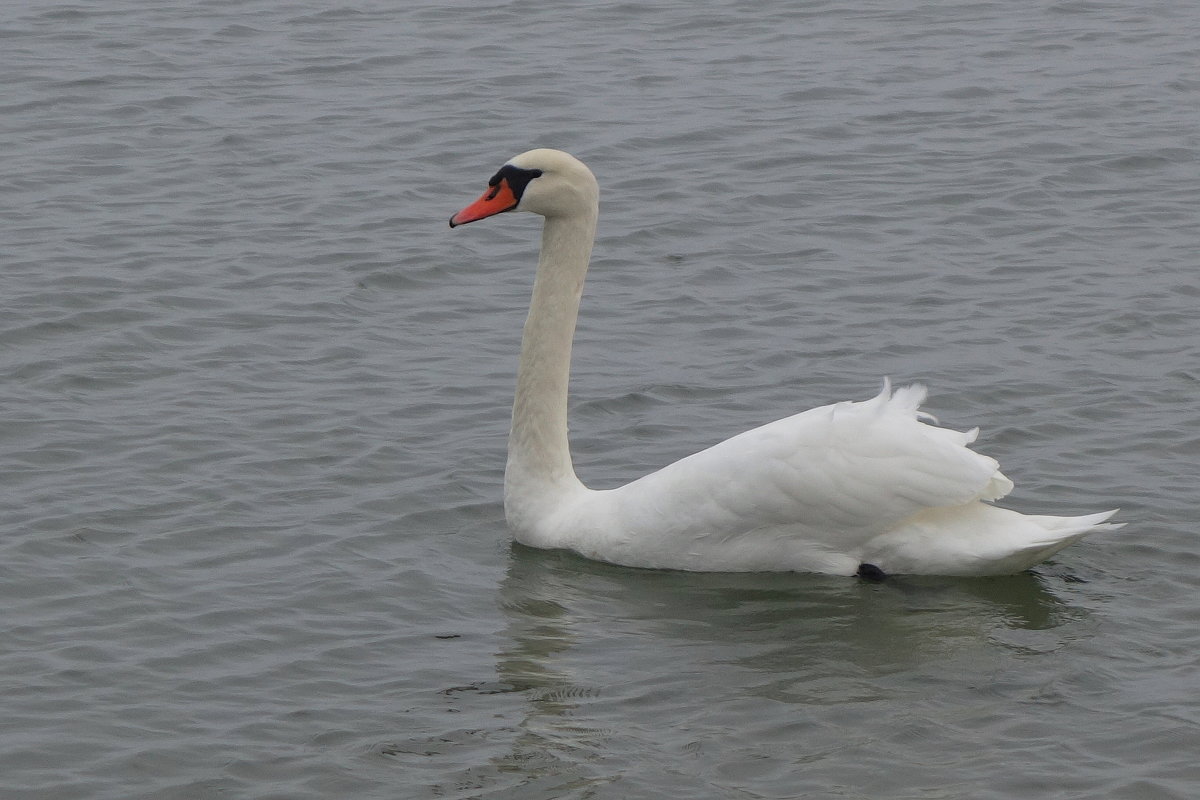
539	458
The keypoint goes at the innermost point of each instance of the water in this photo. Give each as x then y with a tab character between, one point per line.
256	394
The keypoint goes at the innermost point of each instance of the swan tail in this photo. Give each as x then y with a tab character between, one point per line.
1072	528
1060	532
978	539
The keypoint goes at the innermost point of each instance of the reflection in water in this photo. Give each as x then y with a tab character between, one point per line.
586	643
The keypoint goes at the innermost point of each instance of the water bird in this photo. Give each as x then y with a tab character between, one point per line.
865	488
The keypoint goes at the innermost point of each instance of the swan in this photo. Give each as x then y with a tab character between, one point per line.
854	488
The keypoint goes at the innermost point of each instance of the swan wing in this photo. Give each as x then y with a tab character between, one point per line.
813	487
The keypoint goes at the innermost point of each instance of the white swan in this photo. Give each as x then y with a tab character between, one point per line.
855	487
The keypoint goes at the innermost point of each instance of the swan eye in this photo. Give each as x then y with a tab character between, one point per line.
516	178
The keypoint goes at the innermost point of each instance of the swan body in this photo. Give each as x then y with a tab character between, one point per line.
826	490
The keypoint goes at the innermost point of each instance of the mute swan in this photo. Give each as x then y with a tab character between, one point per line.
854	487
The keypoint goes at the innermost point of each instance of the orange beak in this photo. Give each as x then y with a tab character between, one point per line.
497	198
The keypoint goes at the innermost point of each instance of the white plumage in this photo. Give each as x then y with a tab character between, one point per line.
826	490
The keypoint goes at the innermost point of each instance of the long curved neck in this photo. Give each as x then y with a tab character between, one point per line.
539	459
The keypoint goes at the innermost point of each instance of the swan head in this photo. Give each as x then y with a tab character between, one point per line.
547	182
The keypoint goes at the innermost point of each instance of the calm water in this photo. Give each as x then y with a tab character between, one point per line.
256	394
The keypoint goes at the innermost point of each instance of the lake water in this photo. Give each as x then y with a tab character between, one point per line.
256	394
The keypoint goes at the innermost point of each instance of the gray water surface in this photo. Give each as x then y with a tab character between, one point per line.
256	394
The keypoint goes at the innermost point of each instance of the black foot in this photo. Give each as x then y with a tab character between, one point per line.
870	572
